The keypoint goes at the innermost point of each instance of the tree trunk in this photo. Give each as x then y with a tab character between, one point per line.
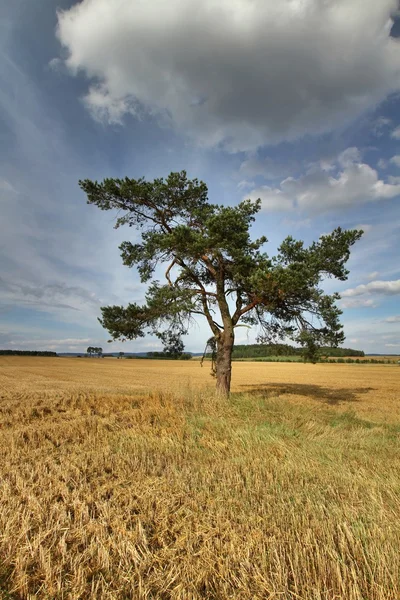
224	362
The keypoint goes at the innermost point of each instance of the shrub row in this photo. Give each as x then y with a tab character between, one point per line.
321	360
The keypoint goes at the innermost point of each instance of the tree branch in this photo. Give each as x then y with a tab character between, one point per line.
203	295
209	265
213	326
167	272
204	292
243	311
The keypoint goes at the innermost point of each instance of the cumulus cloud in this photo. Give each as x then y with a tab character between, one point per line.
319	190
349	157
358	303
394	319
386	288
272	199
239	73
395	160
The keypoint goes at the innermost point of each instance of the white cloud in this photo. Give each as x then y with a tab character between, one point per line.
319	190
349	157
56	64
358	303
386	288
373	275
382	164
380	125
272	199
105	108
371	336
242	73
244	184
395	160
396	133
394	319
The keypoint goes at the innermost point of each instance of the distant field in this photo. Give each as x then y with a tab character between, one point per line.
128	479
371	390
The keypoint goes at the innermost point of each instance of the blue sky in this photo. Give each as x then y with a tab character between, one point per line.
296	102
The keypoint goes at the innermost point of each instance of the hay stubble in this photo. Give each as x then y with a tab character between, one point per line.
110	491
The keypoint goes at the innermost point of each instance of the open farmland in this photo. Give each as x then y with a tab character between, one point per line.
128	479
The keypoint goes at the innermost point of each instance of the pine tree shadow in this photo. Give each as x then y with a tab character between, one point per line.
327	395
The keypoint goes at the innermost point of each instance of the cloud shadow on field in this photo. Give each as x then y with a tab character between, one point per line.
327	395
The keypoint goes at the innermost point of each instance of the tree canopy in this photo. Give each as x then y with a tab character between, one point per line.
214	269
94	351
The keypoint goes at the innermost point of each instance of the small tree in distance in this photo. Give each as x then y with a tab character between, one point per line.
95	351
214	269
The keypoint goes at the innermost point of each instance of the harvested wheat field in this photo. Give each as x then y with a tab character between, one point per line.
128	479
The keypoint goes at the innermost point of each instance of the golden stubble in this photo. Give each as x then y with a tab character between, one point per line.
128	479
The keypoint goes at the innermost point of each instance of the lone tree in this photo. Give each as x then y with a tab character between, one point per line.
214	269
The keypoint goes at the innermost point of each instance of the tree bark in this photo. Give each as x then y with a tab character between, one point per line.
224	362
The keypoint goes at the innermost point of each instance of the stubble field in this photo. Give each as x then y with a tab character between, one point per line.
128	479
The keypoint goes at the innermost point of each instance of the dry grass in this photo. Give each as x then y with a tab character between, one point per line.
289	491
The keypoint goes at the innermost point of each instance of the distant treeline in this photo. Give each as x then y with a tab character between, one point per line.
265	350
27	353
340	352
166	356
334	360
